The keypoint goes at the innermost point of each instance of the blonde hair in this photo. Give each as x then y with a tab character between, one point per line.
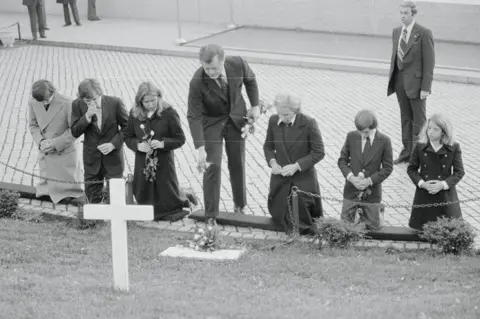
289	101
444	124
148	88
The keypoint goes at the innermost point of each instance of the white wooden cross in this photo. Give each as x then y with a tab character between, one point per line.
118	213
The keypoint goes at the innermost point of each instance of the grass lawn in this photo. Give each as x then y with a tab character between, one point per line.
50	270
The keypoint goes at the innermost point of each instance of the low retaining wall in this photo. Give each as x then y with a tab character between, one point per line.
449	22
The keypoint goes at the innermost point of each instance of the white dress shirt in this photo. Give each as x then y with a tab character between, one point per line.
409	32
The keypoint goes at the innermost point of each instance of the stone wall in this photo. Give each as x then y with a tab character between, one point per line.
457	22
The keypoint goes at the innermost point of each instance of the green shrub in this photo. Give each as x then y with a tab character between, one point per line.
8	203
452	236
337	233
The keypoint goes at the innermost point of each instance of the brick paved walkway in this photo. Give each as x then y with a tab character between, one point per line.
331	97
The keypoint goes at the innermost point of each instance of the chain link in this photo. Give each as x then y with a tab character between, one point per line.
9	26
127	178
333	199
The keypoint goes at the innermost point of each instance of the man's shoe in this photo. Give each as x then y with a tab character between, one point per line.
400	161
46	28
34	38
43	36
94	19
79	24
67	24
239	210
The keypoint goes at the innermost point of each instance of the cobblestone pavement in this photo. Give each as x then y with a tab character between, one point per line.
331	97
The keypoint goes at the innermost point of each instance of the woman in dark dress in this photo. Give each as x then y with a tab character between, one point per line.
435	168
153	132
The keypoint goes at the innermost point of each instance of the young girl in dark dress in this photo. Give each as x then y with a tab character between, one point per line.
154	129
435	168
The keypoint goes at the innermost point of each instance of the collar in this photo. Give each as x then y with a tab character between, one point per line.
424	146
50	99
292	121
371	135
409	28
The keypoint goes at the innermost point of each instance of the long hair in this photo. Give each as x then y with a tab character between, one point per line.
148	88
444	124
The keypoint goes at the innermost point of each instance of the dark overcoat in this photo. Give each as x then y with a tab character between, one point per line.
444	165
302	143
163	193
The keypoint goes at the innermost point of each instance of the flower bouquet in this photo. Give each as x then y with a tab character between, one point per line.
151	160
205	239
249	127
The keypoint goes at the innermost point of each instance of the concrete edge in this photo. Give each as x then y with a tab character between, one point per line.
61	216
336	64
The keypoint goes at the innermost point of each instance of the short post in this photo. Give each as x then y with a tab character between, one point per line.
232	23
296	219
129	193
19	33
179	40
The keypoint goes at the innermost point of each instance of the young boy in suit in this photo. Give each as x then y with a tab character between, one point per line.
366	160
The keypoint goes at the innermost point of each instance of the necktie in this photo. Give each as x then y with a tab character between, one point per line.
223	84
46	106
401	49
367	146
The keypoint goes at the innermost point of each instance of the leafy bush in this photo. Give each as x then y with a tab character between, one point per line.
337	233
452	236
8	203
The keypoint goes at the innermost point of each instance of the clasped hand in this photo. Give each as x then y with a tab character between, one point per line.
106	148
360	183
91	111
148	146
47	146
433	186
287	170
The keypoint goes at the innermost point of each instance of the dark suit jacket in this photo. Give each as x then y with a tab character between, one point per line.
418	62
209	109
378	163
114	115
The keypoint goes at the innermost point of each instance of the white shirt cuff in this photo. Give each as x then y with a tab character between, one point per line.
272	161
420	183
445	185
298	166
349	175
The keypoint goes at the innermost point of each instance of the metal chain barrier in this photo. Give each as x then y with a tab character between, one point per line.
127	178
333	199
9	26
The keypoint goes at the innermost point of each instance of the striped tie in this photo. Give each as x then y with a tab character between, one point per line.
401	49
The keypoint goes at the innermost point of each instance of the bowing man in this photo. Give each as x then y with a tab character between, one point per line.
293	146
49	123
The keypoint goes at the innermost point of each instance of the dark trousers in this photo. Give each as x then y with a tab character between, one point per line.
36	12
412	115
66	13
92	9
370	216
94	192
235	149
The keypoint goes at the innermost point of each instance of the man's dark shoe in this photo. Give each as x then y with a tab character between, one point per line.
239	210
46	28
94	19
67	24
79	24
43	36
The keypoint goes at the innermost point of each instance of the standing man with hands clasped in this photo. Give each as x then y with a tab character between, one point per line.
411	75
216	112
100	118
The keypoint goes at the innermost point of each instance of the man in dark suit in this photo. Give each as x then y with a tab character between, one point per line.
365	161
411	75
36	13
101	118
216	112
293	146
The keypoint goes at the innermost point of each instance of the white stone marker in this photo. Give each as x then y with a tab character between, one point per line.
217	255
118	213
